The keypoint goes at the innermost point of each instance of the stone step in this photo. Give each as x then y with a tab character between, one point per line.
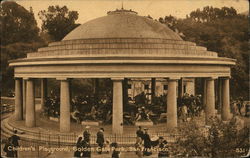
7	131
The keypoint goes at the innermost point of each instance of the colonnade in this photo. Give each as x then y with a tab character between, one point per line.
25	101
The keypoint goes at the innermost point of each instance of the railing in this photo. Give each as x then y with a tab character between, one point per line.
39	143
70	139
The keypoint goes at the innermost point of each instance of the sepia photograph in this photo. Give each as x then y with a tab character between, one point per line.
125	78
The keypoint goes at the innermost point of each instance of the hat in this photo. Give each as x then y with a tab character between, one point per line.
145	128
87	127
102	129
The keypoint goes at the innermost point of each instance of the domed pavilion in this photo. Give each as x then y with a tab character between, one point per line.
118	46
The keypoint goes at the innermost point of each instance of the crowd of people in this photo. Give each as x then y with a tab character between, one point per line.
143	144
99	108
240	108
189	106
83	147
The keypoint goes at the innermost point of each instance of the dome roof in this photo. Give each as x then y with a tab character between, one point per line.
122	24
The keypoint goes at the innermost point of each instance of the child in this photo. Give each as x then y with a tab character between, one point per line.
116	152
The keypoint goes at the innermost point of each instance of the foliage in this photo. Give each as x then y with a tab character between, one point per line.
209	14
223	31
19	24
20	36
221	139
11	52
58	21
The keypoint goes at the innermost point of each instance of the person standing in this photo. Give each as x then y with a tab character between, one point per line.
86	134
116	152
184	112
86	143
138	147
77	153
87	149
15	143
240	105
8	148
139	132
100	140
147	143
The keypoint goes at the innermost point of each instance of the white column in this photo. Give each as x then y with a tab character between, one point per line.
30	120
18	99
24	98
210	101
64	106
225	110
117	122
172	104
43	92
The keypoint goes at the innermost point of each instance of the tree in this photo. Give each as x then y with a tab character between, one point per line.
221	30
209	13
20	35
221	139
58	21
18	24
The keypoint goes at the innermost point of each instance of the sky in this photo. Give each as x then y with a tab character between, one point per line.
90	9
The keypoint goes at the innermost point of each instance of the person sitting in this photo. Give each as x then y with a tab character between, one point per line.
138	115
142	115
92	114
108	117
127	118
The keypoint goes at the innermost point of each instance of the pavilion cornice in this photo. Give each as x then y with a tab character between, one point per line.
122	60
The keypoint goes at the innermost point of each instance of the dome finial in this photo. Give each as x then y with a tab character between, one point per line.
122	5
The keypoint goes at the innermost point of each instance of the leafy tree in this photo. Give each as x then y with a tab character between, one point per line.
209	14
18	24
223	31
20	35
58	21
10	52
221	139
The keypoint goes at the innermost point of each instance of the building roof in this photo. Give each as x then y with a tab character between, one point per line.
122	45
122	24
